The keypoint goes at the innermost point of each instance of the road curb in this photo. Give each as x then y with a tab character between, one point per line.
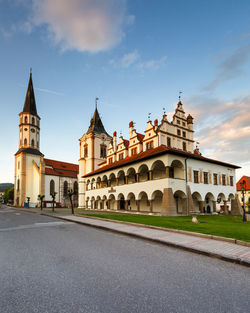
159	241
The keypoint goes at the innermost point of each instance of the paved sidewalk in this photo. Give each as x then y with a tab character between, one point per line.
224	250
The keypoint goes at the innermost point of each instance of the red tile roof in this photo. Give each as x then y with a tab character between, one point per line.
140	137
247	180
154	152
59	168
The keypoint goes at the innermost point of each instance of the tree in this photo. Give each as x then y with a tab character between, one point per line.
41	197
53	196
70	193
8	194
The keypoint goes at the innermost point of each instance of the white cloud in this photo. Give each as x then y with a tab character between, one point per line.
84	25
130	58
134	59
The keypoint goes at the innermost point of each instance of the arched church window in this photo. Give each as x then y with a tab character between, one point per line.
26	119
33	120
51	186
32	142
18	185
75	188
65	188
25	141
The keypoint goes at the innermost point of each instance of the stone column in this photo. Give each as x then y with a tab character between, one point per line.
167	171
225	207
137	177
168	203
150	175
214	206
138	205
151	206
126	180
126	205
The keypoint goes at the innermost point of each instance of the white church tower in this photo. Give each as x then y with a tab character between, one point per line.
29	164
93	151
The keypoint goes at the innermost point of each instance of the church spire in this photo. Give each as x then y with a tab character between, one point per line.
96	125
30	101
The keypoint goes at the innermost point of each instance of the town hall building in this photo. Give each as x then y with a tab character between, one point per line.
34	174
158	172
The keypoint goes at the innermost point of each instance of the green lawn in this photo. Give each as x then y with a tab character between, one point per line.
230	226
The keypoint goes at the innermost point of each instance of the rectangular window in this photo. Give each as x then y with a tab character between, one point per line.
169	142
224	180
110	160
103	151
196	177
149	145
205	176
85	150
184	134
184	146
183	123
134	151
231	180
215	179
178	122
120	156
178	132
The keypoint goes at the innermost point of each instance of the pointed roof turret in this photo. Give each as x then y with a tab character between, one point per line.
30	101
96	125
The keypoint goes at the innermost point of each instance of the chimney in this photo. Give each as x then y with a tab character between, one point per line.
131	127
114	141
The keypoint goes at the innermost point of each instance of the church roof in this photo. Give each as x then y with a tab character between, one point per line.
152	153
59	168
96	125
29	151
30	101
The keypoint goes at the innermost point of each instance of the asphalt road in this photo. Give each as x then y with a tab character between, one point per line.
47	265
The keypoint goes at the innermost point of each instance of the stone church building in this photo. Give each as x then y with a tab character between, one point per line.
34	174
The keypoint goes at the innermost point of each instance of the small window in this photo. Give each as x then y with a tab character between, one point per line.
51	187
184	134
178	132
178	122
205	176
224	180
184	146
65	188
183	124
196	177
38	144
26	119
75	188
169	142
18	184
149	145
32	142
85	150
33	121
25	142
134	151
215	179
18	164
231	180
120	156
110	160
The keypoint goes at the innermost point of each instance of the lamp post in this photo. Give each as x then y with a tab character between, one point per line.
243	190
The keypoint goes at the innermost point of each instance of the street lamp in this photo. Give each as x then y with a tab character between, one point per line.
243	190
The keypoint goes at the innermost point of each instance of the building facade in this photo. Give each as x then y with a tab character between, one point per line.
158	172
35	175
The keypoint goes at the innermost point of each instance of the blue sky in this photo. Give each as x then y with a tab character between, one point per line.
136	56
